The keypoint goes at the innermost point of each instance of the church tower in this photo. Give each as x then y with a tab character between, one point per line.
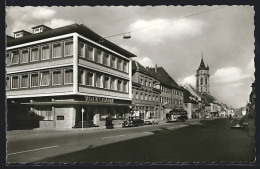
202	78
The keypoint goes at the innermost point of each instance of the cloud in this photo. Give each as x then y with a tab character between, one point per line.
145	61
189	80
228	75
30	13
33	16
55	23
158	33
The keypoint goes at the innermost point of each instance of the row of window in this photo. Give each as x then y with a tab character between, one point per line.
173	91
147	97
92	78
146	83
64	49
90	53
40	78
41	52
170	101
55	77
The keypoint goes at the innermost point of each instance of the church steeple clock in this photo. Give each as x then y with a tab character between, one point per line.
202	78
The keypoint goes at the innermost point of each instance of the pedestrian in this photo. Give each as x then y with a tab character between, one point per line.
230	117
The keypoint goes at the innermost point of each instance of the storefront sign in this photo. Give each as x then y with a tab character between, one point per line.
99	99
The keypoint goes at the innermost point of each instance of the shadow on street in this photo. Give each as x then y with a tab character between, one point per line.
213	141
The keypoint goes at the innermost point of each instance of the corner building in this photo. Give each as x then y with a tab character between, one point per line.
53	75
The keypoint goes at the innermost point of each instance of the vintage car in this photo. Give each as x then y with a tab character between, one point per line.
151	120
132	122
237	123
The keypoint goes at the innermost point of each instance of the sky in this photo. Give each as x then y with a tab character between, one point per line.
173	38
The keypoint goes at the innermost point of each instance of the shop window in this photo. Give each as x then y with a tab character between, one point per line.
81	77
24	81
113	83
90	53
103	113
56	77
125	66
106	83
113	62
7	83
68	48
106	59
98	56
45	54
25	56
34	80
56	50
68	76
99	80
90	80
34	54
44	113
125	87
7	59
119	85
15	57
81	50
45	78
60	117
119	64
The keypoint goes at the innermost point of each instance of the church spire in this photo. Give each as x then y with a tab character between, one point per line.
202	65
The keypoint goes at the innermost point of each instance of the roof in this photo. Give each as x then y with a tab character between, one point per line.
202	65
74	28
136	66
186	97
208	97
41	26
22	31
162	76
199	94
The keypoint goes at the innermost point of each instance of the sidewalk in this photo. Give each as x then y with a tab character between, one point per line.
37	131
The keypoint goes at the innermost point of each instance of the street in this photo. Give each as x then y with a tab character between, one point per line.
209	140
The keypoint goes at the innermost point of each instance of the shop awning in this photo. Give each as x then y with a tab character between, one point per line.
75	103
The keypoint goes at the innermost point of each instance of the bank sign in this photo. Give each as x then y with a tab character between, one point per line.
99	99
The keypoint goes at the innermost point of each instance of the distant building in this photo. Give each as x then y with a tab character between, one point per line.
146	92
191	104
53	75
171	96
204	106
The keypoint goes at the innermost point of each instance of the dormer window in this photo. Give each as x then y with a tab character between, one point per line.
37	30
18	35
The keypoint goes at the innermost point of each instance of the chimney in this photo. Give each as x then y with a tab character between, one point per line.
155	69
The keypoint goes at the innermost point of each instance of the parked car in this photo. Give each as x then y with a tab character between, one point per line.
172	119
132	122
151	120
237	123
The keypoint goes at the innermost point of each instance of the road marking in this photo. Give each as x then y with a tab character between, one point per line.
43	148
112	136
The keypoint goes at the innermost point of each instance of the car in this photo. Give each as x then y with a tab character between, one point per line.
172	119
236	123
132	122
152	120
